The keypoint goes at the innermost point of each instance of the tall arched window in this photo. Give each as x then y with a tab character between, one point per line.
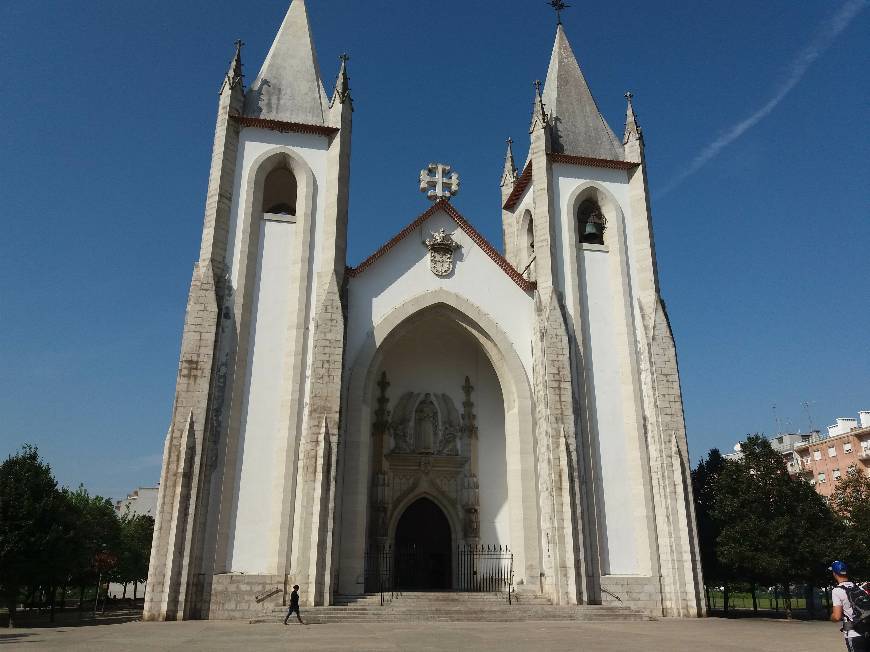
530	238
279	192
529	252
591	222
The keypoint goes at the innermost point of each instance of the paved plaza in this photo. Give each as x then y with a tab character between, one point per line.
666	635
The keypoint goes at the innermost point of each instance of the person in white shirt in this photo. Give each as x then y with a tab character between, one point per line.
842	609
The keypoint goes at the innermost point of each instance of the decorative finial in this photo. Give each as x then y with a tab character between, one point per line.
559	6
436	182
509	175
539	113
342	82
632	129
235	76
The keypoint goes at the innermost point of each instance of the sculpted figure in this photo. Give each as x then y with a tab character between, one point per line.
426	425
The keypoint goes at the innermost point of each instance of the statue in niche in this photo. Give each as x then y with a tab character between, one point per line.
425	425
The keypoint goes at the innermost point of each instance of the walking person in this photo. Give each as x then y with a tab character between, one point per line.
294	605
843	610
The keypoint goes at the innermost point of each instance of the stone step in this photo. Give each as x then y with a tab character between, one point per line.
459	609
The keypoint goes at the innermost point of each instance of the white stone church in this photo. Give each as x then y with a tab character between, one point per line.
345	427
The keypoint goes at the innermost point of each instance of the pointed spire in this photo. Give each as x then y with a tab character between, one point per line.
288	86
342	83
234	76
539	113
509	176
578	126
632	129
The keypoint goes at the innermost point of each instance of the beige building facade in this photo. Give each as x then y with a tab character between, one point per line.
823	460
440	396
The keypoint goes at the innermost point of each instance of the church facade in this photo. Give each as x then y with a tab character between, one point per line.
439	398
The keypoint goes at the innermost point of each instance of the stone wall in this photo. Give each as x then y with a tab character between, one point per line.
642	593
234	596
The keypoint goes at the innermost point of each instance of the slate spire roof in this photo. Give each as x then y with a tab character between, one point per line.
578	127
288	86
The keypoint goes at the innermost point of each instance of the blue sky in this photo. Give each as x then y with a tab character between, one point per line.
755	123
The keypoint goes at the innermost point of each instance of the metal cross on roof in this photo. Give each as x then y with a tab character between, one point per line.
436	182
559	6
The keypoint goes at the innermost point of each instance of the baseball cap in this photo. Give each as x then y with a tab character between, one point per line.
839	567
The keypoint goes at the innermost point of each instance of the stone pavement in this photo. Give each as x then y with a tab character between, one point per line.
666	635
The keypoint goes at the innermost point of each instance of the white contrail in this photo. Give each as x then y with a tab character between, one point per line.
825	37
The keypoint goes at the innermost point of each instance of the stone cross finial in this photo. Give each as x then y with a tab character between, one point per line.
559	6
436	182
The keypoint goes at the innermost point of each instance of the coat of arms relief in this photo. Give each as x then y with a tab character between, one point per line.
441	247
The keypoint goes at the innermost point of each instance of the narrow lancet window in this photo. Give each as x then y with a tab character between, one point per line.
279	192
591	222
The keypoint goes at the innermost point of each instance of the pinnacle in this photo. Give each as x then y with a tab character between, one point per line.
342	83
509	176
235	76
539	113
632	128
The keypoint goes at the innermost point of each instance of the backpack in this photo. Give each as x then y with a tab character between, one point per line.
859	598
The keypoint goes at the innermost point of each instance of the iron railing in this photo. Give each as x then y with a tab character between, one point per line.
485	569
479	569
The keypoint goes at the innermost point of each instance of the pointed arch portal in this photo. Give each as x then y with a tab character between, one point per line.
423	548
431	344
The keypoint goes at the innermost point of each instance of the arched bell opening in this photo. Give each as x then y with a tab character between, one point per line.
279	192
591	222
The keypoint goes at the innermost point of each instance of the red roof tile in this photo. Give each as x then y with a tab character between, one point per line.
592	162
284	127
520	186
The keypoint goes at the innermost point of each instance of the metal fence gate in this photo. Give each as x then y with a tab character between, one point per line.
485	569
479	569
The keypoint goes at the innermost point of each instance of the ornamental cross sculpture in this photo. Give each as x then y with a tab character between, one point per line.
436	183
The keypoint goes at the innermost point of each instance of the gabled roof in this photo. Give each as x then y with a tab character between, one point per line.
470	231
519	188
288	87
578	128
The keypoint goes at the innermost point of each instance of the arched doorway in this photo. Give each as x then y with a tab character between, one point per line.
423	548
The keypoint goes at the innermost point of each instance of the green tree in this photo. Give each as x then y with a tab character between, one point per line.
30	523
98	538
851	502
775	528
135	552
705	483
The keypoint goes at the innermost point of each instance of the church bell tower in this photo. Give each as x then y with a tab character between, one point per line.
616	508
259	380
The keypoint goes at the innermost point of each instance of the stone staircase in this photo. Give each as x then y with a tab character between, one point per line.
413	607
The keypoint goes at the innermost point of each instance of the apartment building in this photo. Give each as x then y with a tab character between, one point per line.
824	459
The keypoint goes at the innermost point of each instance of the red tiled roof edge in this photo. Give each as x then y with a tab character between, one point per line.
519	188
284	127
476	237
592	162
491	251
